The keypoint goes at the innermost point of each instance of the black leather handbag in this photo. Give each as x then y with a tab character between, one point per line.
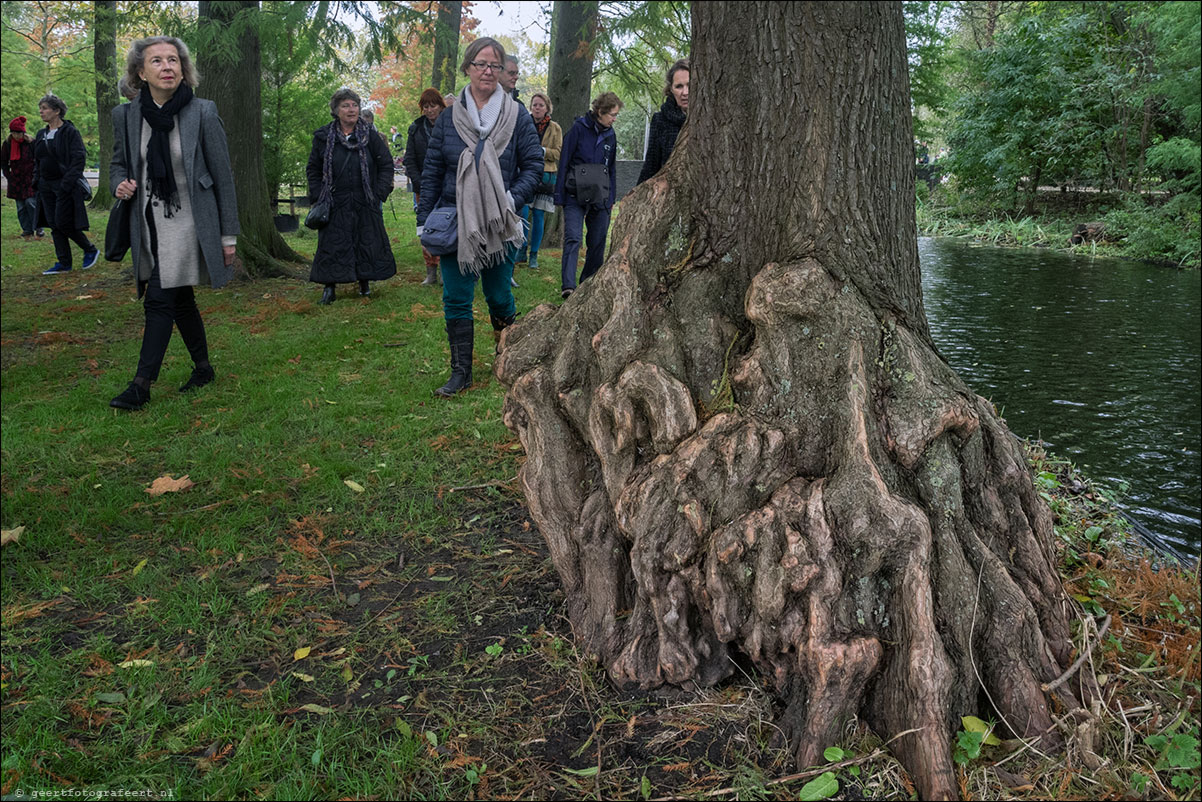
589	184
116	233
319	215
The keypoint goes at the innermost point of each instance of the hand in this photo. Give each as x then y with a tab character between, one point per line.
126	189
229	251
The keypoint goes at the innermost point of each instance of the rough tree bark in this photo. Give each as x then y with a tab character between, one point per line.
741	440
570	76
105	60
446	45
235	86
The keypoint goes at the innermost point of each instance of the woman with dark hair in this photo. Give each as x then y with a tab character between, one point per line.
551	137
349	166
484	159
16	162
172	163
431	105
58	180
667	122
587	196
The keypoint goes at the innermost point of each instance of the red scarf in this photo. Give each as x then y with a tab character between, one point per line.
541	127
16	148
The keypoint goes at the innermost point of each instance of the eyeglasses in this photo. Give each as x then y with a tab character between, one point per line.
486	66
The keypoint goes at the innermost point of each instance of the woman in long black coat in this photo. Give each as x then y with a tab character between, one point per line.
60	159
667	122
350	165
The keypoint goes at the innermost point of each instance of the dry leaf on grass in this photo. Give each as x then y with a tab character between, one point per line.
10	535
166	484
353	485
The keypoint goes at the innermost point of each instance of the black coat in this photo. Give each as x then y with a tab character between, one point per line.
58	167
415	151
665	127
354	245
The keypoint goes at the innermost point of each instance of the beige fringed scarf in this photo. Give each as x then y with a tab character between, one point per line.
487	223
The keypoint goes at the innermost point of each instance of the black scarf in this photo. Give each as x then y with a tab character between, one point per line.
158	154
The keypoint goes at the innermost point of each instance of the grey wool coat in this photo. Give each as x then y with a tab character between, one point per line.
190	242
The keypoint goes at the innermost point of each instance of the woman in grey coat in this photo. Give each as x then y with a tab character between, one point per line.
184	220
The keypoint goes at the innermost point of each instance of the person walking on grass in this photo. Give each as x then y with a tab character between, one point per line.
586	187
16	162
60	157
349	164
484	159
184	218
431	105
551	136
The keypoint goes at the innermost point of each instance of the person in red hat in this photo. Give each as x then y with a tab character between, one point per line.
16	162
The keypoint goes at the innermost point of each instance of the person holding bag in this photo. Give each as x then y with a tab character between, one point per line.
171	163
58	179
551	136
350	171
483	163
586	187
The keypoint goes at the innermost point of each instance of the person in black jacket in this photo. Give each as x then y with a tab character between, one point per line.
350	166
590	141
431	105
667	122
58	175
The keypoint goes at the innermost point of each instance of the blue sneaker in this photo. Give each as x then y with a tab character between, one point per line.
58	268
91	258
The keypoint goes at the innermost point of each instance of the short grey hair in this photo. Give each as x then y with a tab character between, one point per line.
54	102
478	45
345	93
514	59
135	60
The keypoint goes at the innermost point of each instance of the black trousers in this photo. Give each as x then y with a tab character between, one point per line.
62	244
169	308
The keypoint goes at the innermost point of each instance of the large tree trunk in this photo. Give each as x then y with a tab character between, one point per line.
105	60
235	86
741	439
570	77
446	45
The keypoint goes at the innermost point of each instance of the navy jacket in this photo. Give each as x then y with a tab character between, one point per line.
521	163
587	143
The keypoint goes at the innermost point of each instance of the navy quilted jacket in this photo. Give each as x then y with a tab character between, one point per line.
521	163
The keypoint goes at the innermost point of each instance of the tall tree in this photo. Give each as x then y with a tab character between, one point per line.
105	56
741	439
232	71
446	44
570	72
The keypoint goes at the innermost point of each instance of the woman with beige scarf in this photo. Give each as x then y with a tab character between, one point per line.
485	159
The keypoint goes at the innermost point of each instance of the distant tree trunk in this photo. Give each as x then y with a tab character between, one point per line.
570	75
740	438
235	86
446	44
105	59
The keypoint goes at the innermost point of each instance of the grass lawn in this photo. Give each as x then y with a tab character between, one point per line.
350	600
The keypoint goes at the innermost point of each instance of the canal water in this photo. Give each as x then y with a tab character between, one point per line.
1100	358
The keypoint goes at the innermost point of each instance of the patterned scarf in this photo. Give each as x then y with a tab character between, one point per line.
158	152
334	134
541	126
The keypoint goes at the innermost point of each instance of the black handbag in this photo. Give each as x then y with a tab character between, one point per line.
589	184
116	233
319	215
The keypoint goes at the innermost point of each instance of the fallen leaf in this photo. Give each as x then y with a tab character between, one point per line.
302	677
302	653
318	709
258	589
138	568
10	535
353	485
136	664
166	484
110	698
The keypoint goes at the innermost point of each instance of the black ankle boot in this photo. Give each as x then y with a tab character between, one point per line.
327	297
134	398
364	288
460	334
199	378
499	324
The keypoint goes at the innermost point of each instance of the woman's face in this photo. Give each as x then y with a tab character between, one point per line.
161	68
348	113
538	108
431	110
48	113
606	118
484	79
680	88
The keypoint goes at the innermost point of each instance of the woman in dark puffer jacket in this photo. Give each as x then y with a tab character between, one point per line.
667	122
431	105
